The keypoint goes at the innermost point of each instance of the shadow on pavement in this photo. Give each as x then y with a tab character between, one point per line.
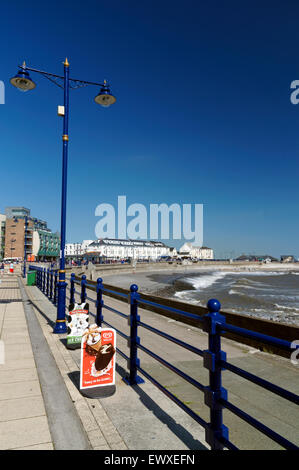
164	417
50	322
75	378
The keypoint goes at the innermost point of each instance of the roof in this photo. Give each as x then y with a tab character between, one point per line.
123	242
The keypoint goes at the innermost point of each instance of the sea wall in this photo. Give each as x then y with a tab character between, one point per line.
92	271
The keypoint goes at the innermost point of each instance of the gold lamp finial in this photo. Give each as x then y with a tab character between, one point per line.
24	64
105	81
65	63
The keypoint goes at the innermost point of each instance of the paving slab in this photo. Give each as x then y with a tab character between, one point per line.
24	432
45	446
20	390
20	408
18	375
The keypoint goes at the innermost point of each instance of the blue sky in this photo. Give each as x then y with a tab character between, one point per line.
203	114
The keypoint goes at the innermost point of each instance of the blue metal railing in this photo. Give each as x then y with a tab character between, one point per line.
214	359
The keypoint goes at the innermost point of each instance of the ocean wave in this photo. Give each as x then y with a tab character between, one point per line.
202	282
284	307
282	296
249	293
262	287
185	295
261	273
234	292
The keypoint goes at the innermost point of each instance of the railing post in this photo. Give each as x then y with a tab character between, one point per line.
211	361
83	289
72	289
39	279
99	317
48	281
55	288
133	378
51	284
44	280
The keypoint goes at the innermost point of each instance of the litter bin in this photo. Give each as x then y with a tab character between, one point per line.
31	278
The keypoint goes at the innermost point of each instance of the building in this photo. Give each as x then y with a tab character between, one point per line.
15	238
261	258
76	250
41	243
73	250
46	245
198	252
2	235
12	212
287	259
173	252
115	249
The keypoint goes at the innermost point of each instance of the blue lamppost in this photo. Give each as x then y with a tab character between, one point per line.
25	242
24	83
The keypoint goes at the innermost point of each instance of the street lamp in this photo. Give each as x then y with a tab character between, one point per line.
25	242
23	82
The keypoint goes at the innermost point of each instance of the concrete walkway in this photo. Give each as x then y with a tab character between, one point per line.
23	419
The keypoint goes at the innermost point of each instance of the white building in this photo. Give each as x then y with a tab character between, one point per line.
122	249
198	252
77	249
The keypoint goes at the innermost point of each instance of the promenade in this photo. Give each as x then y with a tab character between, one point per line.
42	370
42	408
23	419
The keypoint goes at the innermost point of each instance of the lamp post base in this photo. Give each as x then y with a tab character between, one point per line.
60	327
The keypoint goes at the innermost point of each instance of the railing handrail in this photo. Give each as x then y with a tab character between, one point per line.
257	336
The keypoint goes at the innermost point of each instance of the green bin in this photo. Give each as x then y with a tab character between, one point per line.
31	278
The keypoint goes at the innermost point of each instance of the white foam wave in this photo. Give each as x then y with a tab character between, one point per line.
293	309
261	273
202	282
185	295
234	292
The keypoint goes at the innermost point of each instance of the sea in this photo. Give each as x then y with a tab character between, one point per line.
272	295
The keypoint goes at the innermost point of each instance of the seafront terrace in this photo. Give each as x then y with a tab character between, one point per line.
274	412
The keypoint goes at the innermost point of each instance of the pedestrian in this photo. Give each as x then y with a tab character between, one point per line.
2	269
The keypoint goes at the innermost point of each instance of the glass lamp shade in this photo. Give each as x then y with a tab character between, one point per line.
22	81
104	98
